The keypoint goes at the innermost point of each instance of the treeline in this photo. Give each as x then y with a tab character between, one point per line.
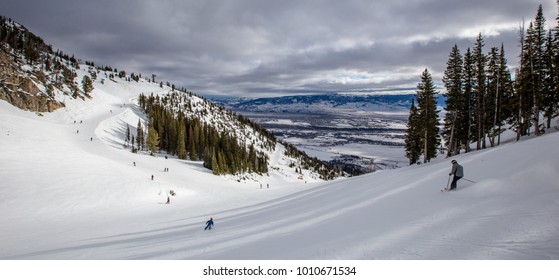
482	99
186	136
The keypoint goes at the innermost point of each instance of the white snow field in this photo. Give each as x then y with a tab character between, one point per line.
69	195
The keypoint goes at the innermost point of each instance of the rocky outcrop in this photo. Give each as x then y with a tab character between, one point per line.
20	88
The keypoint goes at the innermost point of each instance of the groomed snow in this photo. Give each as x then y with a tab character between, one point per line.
70	195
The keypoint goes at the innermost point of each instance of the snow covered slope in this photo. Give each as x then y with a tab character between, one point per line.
70	191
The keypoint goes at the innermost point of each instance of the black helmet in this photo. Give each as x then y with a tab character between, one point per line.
453	161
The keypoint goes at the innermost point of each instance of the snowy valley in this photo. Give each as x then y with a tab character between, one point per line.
362	131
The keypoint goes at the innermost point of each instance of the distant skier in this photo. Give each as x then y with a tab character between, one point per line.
209	224
458	172
168	200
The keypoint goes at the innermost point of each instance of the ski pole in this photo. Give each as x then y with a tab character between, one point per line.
448	181
469	180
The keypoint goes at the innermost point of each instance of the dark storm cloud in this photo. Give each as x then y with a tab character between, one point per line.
276	47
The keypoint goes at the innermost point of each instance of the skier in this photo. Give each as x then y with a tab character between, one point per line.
209	224
458	172
168	200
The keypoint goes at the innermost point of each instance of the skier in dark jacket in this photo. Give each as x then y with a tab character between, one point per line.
209	224
458	172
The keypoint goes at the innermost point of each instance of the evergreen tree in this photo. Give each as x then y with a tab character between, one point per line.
194	140
172	134
469	82
522	99
455	121
549	99
480	91
215	166
181	141
127	140
493	94
504	94
553	108
428	116
132	145
87	85
140	136
153	140
538	67
413	138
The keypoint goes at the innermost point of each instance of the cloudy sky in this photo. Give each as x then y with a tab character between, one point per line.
268	48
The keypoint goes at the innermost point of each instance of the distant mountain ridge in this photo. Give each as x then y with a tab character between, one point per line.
321	102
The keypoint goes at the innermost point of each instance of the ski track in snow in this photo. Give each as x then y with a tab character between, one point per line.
66	196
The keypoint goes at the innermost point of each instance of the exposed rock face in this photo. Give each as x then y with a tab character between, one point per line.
20	88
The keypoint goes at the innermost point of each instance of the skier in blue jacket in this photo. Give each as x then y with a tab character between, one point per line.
209	224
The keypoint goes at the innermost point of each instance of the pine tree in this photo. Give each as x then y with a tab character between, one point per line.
428	116
505	93
127	140
538	67
549	99
87	85
140	136
493	94
153	140
554	95
215	166
521	101
455	127
480	91
413	139
194	140
469	82
181	141
132	145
